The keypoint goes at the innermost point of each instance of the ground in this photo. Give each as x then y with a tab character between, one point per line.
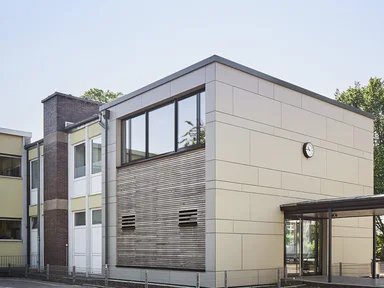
26	283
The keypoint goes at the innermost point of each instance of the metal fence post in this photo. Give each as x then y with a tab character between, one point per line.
198	280
146	278
9	269
47	272
26	270
106	272
74	274
226	279
278	278
340	269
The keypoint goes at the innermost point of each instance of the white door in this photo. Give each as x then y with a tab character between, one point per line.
79	256
33	243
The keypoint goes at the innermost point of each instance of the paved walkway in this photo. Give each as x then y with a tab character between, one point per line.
344	281
26	283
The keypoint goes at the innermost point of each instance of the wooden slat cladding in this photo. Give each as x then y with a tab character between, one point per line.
155	192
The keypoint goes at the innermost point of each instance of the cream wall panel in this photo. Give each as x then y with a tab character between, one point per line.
210	141
127	107
275	153
210	98
303	122
300	196
32	210
263	251
94	130
363	140
342	167
224	226
11	248
366	222
322	108
94	201
32	154
224	98
337	250
228	252
265	88
301	183
267	207
339	132
257	108
357	232
269	178
210	73
232	205
78	204
78	136
352	190
357	120
361	255
187	82
288	96
156	95
345	222
317	165
365	172
265	190
11	198
245	123
350	151
10	144
237	78
237	173
247	227
234	148
332	188
368	191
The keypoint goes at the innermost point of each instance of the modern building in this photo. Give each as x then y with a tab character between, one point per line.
199	163
13	209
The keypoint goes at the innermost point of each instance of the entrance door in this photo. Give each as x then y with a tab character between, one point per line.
303	247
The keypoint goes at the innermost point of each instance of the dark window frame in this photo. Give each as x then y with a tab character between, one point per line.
176	149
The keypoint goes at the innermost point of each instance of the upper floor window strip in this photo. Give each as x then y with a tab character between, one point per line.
10	166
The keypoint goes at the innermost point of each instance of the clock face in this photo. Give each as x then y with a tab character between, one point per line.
308	150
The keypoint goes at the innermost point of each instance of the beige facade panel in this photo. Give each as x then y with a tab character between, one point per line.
332	188
266	88
339	132
287	96
32	210
357	120
322	108
237	173
11	198
228	252
361	255
94	201
316	166
10	144
11	248
269	178
232	205
32	154
78	136
237	78
223	97
342	167
94	130
78	204
187	82
302	183
263	228
365	172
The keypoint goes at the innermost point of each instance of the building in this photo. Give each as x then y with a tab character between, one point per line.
199	162
13	210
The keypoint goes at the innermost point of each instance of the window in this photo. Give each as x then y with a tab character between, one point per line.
10	166
80	160
34	174
10	229
80	219
96	155
170	128
34	222
96	217
161	130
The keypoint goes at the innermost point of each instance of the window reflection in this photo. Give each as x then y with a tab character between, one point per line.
137	139
161	130
80	160
187	130
96	155
202	118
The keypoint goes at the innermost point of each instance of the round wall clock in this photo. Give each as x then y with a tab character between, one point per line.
308	150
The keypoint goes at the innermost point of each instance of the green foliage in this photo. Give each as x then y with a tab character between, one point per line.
370	98
190	137
100	95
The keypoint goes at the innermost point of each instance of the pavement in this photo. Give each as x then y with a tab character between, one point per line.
27	283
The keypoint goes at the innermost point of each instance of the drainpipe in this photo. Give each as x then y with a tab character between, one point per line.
106	115
38	205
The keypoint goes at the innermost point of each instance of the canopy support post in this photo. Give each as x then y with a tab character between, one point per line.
374	248
329	246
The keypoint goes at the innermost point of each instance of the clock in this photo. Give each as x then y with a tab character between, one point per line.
308	150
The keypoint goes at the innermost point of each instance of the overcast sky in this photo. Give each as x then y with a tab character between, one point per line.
71	46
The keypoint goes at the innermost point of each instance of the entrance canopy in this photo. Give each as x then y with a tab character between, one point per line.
360	206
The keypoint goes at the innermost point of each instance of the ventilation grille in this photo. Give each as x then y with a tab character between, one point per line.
188	217
128	222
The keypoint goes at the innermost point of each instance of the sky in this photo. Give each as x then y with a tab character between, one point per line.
71	46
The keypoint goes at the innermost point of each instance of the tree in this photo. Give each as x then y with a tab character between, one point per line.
100	95
370	98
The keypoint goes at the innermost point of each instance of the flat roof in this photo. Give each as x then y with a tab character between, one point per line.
15	132
345	207
242	68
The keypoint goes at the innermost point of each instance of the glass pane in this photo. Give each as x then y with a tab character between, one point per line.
34	174
125	142
137	137
10	229
202	117
292	248
10	166
80	219
96	217
96	155
34	223
187	116
80	160
162	130
309	246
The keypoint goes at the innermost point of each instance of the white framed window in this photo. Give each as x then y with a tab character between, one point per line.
34	174
79	160
96	217
80	219
96	155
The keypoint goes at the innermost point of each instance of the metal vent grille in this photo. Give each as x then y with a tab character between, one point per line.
128	222
188	217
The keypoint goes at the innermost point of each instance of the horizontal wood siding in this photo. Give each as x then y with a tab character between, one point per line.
155	191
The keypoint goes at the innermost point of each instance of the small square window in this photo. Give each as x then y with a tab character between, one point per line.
96	217
80	219
79	160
